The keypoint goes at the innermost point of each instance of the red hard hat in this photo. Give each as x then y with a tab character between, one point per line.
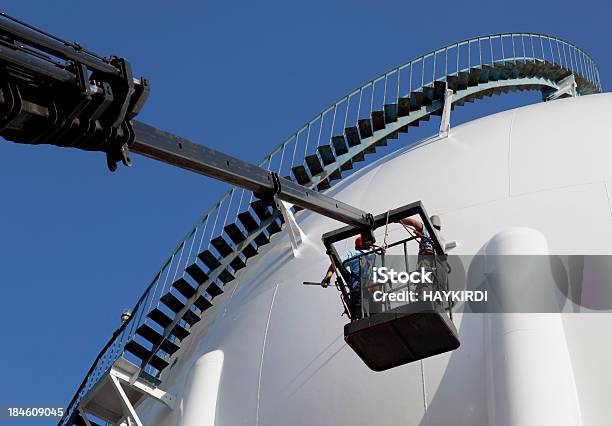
358	242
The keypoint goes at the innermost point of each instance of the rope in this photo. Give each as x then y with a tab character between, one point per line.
384	246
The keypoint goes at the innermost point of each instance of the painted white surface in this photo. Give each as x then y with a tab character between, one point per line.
544	167
528	370
200	404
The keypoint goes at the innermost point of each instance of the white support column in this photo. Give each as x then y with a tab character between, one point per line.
129	411
567	86
296	235
445	121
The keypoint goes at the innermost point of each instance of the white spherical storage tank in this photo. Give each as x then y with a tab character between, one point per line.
531	180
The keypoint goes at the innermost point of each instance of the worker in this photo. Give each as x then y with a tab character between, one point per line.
425	243
351	260
426	258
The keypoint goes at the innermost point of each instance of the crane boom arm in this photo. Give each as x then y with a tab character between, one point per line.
177	151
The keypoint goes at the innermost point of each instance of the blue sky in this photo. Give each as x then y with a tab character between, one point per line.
78	244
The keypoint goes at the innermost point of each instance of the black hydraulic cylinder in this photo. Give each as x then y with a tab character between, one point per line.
47	43
44	69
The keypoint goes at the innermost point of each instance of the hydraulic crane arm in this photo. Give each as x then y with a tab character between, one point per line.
168	148
56	92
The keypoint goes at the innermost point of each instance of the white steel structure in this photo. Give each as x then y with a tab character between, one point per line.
272	353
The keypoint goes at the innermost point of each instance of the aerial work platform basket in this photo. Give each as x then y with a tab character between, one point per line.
397	337
395	315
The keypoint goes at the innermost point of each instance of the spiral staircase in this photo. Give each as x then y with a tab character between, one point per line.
322	152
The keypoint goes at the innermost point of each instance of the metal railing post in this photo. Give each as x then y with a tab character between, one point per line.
457	59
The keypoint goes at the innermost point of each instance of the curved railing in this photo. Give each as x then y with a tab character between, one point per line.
552	59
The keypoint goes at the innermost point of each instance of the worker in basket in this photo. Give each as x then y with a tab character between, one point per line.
355	261
427	259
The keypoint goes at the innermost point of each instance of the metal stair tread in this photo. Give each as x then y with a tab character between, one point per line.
348	165
323	185
226	276
403	107
248	221
180	332
237	263
365	128
148	333
352	136
273	228
234	232
172	302
196	273
154	337
378	120
169	347
339	145
143	353
358	157
300	174
428	95
439	89
261	240
452	82
214	290
474	77
261	209
159	317
327	155
202	303
209	259
221	246
191	317
314	164
249	251
390	113
183	287
335	175
381	141
416	101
